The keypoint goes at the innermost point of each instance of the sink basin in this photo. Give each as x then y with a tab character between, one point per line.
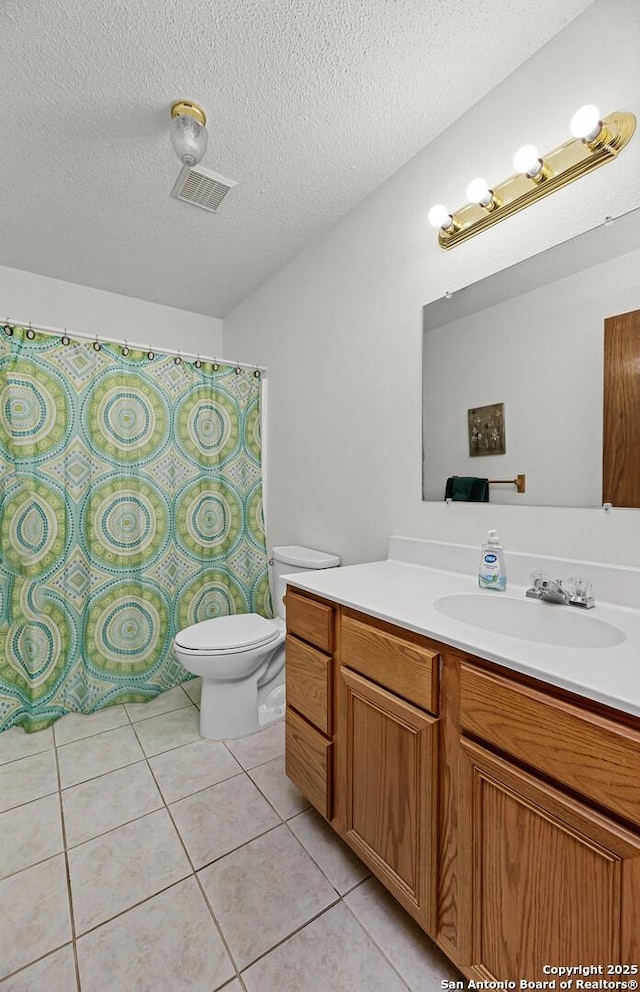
530	620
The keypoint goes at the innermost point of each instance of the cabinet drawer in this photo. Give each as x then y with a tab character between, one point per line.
403	666
308	762
586	752
310	620
309	683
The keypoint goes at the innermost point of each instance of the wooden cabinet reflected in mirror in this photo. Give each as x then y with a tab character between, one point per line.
621	410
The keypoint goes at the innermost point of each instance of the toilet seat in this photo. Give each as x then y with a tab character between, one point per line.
228	635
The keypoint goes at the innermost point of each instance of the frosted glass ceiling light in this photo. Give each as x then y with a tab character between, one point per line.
439	216
596	140
188	131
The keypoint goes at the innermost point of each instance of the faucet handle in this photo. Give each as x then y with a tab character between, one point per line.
540	578
580	591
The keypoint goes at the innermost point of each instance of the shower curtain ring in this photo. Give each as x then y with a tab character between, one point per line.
178	358
96	344
65	338
31	333
125	350
150	355
198	363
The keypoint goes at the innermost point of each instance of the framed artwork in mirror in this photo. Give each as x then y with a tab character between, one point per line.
486	430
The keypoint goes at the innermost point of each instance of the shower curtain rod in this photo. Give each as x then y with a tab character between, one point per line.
129	344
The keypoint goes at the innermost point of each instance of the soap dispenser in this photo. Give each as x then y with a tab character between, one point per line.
492	573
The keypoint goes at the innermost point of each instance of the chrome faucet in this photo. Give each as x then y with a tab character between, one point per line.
572	592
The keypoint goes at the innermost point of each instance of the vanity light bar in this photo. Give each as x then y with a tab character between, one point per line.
586	151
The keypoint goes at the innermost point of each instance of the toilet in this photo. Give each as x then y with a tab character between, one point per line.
241	657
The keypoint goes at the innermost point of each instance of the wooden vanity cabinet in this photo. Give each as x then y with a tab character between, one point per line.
549	811
388	745
502	812
310	692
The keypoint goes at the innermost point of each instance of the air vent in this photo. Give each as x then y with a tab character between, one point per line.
202	188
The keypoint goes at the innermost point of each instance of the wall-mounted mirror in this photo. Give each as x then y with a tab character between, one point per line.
532	339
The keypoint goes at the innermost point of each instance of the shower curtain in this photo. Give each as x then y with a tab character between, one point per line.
130	507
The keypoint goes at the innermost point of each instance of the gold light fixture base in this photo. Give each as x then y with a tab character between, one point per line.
186	108
570	161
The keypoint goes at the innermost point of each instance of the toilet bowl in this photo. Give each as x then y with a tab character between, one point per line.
241	657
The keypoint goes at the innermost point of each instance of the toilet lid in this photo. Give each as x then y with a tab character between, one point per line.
234	633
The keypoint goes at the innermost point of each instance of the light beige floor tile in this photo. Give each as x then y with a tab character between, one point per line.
338	862
103	803
165	702
113	872
259	748
167	944
283	795
193	689
27	779
331	954
55	973
263	892
97	755
29	834
35	914
169	730
221	818
192	767
416	958
16	743
76	726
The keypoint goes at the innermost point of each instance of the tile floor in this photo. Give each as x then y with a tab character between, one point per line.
137	857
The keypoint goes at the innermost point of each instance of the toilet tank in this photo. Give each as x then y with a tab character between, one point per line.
295	559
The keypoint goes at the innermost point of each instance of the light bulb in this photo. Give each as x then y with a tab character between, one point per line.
478	192
188	138
586	123
439	216
527	160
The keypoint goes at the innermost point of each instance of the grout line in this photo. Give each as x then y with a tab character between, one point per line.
111	830
319	866
67	869
21	757
375	943
331	905
195	874
42	957
135	905
190	795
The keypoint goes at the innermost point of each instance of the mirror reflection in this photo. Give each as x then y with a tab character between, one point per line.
518	368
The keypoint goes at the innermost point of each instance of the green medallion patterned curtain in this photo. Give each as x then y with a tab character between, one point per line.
130	507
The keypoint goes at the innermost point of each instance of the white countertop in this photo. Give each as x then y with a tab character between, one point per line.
404	594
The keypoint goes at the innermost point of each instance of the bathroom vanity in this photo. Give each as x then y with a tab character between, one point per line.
497	798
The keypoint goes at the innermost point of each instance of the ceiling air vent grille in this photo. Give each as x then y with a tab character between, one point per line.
201	188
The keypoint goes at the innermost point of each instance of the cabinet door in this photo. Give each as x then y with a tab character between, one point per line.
389	750
550	881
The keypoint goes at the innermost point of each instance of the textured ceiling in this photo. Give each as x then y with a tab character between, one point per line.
311	104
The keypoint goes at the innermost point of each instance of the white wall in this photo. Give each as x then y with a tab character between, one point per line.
553	415
27	296
340	327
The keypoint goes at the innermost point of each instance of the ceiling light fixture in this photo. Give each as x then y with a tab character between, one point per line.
595	141
188	131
